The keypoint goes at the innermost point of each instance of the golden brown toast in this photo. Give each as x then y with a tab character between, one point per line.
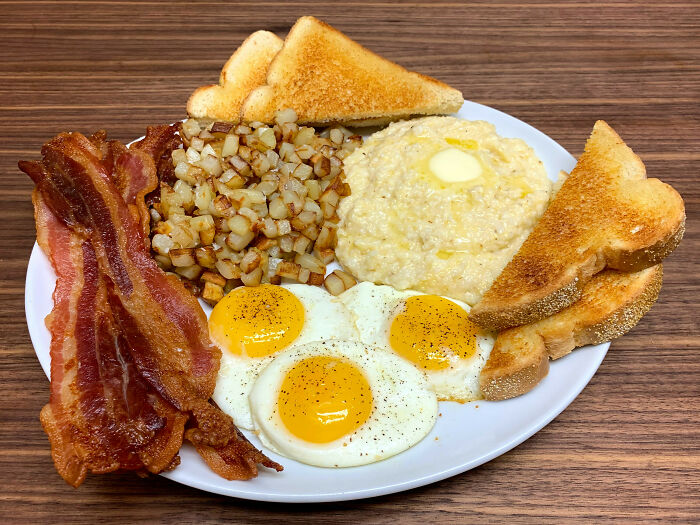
327	77
606	214
611	304
243	72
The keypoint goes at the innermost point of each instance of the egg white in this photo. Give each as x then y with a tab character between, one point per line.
325	317
374	307
404	407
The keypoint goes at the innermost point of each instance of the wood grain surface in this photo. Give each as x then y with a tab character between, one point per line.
628	448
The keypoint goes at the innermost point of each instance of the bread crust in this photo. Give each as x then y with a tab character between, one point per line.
607	214
328	78
245	70
505	376
611	304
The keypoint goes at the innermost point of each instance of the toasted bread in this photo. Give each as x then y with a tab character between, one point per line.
244	71
327	77
611	304
606	214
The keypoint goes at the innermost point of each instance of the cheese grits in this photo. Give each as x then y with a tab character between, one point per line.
439	205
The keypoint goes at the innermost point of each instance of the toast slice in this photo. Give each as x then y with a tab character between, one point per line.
328	78
606	214
611	304
244	71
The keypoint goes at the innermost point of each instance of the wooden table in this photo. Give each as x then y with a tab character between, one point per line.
627	448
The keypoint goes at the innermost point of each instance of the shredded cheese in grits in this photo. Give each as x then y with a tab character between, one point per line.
439	205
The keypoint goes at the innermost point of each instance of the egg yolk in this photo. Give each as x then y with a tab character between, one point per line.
429	329
256	321
323	399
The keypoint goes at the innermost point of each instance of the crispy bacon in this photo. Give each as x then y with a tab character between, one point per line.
101	415
140	168
149	363
238	459
159	143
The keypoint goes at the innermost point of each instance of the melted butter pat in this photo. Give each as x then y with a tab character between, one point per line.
454	165
460	164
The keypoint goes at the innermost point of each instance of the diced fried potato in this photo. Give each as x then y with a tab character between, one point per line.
303	276
238	242
325	238
301	244
283	227
162	227
348	280
178	156
182	257
269	228
288	269
221	203
304	136
286	243
239	225
197	143
334	284
246	153
190	128
192	155
161	243
163	261
240	165
315	279
322	166
250	261
309	261
189	272
313	188
212	277
266	137
247	199
259	163
206	237
328	210
278	209
336	136
264	243
212	293
293	202
253	278
289	131
230	146
325	255
202	222
228	269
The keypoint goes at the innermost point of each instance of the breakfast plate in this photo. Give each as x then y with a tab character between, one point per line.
465	435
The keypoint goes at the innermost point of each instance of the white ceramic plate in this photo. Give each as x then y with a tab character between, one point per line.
464	437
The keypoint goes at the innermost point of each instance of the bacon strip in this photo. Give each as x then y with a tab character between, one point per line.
137	169
58	245
238	459
101	415
161	341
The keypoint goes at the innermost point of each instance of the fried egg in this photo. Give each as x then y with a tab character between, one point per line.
252	324
341	404
430	331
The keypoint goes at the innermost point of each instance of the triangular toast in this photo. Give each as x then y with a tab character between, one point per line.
327	77
606	214
244	71
611	304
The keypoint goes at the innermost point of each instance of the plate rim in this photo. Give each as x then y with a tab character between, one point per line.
179	475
